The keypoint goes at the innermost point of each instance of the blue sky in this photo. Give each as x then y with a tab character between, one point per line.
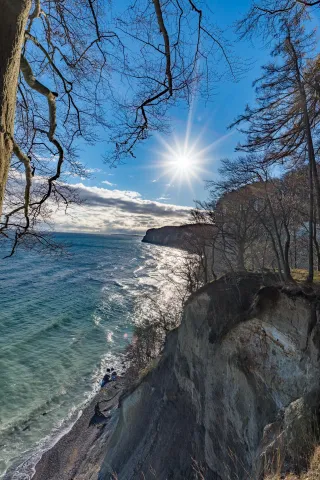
143	176
209	120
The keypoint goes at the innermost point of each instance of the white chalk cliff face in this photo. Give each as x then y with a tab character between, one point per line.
170	236
185	237
238	383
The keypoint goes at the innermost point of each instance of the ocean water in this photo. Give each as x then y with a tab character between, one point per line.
63	321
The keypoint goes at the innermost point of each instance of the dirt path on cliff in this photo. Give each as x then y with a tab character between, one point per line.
78	455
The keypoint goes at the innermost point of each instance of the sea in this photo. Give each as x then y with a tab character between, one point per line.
63	321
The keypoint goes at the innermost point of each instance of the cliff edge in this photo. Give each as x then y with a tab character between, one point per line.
235	393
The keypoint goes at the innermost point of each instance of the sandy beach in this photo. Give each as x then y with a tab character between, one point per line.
79	453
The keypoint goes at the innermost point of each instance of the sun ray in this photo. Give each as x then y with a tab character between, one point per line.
184	161
181	161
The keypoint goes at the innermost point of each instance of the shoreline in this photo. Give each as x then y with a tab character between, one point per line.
67	458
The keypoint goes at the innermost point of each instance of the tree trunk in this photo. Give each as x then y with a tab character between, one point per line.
212	271
316	243
295	248
240	258
287	251
311	207
307	129
310	149
274	246
14	14
286	274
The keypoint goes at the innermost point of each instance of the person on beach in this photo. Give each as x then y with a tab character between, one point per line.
106	379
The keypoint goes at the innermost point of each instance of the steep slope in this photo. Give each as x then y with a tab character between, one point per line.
236	390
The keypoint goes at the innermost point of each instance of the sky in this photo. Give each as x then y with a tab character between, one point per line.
143	193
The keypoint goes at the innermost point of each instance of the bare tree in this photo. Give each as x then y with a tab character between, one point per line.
263	217
232	213
198	266
283	124
266	17
15	14
83	71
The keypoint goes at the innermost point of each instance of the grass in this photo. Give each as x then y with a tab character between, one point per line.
312	474
300	275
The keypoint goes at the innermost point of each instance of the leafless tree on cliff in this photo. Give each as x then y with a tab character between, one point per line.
198	265
266	17
284	123
277	210
233	216
70	71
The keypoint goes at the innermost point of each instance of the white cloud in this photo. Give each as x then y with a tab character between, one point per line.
93	170
164	197
105	210
109	183
114	211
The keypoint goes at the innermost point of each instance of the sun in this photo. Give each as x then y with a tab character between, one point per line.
184	161
181	162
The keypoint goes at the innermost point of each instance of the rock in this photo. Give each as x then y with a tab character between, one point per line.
233	367
288	444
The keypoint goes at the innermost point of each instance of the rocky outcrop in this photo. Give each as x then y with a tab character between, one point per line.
235	393
187	237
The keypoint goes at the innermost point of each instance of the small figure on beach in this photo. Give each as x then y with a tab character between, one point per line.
110	376
106	378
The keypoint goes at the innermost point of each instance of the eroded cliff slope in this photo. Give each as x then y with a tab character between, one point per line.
235	393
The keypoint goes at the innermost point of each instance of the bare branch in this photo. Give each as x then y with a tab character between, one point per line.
165	35
43	90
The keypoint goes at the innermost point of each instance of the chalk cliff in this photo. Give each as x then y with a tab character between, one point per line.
235	395
235	392
185	237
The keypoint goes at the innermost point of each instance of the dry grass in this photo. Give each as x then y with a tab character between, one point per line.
312	474
300	275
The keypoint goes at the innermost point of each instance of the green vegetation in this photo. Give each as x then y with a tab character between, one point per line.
301	274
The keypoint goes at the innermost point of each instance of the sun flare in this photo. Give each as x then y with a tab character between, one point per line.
186	160
182	163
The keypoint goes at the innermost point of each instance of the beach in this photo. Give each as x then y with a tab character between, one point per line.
80	453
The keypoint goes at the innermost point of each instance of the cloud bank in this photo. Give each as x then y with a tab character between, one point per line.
116	211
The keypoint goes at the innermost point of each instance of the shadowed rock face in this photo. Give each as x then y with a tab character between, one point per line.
237	379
